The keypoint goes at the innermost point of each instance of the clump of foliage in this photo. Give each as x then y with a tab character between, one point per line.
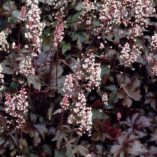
78	78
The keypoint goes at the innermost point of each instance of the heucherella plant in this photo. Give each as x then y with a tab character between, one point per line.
81	114
78	78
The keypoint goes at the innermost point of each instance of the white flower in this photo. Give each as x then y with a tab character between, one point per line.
81	115
3	42
154	42
17	106
105	99
129	55
34	26
26	67
91	72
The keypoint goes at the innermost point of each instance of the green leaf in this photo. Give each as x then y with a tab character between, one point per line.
3	23
9	5
69	151
15	13
111	88
59	154
6	66
13	153
14	85
98	114
79	44
105	70
34	81
79	6
112	100
83	37
47	149
65	47
3	89
74	18
96	23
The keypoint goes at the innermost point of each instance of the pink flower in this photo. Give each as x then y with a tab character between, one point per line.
17	106
58	32
34	26
119	116
154	42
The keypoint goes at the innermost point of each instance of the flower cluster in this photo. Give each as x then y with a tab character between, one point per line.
154	42
105	98
129	55
34	26
59	31
57	4
70	85
17	106
141	10
81	115
109	13
96	59
91	72
88	6
26	67
65	102
70	90
153	69
22	14
152	64
113	13
3	42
